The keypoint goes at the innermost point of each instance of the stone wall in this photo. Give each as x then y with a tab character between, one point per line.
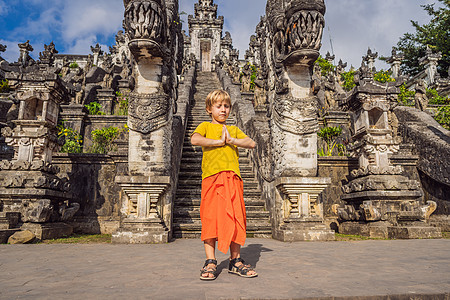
431	142
93	187
338	168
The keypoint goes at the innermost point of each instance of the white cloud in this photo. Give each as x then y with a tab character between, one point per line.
83	18
355	25
12	50
3	8
76	25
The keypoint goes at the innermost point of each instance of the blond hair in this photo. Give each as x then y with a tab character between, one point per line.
217	96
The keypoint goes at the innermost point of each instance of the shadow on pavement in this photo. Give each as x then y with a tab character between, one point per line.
251	254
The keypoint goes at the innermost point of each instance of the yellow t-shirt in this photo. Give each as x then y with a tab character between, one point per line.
218	159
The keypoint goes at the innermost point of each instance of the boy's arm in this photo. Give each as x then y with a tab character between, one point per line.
198	140
243	143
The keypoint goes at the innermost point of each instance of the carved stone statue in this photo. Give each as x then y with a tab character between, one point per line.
47	56
420	98
246	78
25	58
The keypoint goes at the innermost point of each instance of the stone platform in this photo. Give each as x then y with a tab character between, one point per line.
374	269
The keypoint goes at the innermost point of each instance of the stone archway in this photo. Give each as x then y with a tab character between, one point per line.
205	55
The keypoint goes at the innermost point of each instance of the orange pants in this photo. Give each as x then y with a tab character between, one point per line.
222	210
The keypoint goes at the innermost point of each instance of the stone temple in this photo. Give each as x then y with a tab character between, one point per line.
99	143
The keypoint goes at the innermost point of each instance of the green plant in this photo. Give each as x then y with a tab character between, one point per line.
443	116
406	97
325	66
383	76
4	86
73	141
73	65
329	135
253	73
348	80
94	108
122	102
103	139
434	98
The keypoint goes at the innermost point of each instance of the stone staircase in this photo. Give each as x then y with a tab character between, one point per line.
186	218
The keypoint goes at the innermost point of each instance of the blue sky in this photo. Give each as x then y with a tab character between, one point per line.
352	25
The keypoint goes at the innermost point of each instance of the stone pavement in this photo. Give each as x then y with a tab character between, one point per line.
410	269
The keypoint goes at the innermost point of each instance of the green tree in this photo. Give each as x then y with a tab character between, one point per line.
436	35
325	67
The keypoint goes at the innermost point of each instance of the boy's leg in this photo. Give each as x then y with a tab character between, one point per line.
210	247
235	250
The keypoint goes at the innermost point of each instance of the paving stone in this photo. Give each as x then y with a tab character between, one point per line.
386	269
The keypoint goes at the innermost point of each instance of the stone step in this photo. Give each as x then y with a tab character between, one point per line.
195	225
195	191
194	171
194	213
195	202
187	203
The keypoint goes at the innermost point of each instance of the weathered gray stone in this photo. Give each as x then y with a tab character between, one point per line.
6	233
21	237
36	211
48	231
430	140
9	220
95	75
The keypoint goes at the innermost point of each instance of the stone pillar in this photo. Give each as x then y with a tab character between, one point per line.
295	35
395	61
74	116
302	209
146	202
97	51
143	210
369	59
106	98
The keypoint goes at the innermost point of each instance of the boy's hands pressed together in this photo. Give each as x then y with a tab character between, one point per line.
244	143
225	139
225	134
228	138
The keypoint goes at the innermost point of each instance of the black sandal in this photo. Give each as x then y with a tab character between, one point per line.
241	270
210	270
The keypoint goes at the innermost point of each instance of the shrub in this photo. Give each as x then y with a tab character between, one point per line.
434	98
383	76
443	116
348	80
73	65
325	66
73	141
94	108
329	135
103	139
122	103
406	97
4	86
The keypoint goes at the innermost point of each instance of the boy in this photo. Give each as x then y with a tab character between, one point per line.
222	209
